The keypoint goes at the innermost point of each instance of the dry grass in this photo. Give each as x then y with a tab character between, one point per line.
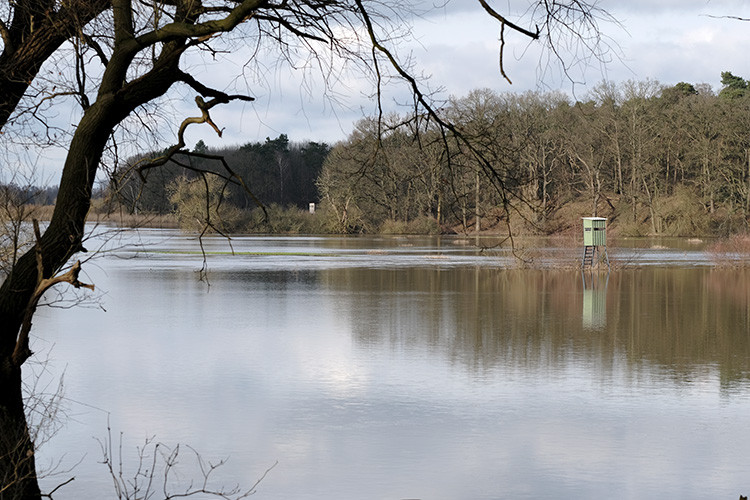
135	220
117	218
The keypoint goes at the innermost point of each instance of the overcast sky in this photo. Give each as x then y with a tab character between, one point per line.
665	40
457	44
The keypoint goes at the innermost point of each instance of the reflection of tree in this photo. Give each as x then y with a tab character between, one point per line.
682	318
490	319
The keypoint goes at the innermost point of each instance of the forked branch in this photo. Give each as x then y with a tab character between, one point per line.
534	35
21	352
218	98
204	106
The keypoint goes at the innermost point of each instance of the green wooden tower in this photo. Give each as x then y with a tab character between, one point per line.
594	242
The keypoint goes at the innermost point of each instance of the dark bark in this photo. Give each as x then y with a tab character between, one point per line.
60	241
17	460
35	33
63	238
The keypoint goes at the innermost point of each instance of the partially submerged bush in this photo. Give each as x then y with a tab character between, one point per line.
201	204
394	227
422	225
345	219
284	220
732	251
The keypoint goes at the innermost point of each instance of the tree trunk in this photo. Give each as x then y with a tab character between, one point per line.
439	209
477	227
18	479
61	240
36	32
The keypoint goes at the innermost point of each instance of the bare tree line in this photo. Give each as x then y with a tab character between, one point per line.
655	159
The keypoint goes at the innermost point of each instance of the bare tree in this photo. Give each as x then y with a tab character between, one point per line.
123	57
153	472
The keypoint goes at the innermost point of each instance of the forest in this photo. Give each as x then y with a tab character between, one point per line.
655	160
278	173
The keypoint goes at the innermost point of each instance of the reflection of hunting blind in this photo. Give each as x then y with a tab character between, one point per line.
594	242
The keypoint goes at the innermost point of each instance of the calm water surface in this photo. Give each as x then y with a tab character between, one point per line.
393	368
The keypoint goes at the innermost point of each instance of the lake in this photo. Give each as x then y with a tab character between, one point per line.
405	368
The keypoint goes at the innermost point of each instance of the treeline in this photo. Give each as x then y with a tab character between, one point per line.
654	159
275	172
16	194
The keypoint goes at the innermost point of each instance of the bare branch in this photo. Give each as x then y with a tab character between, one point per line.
534	35
21	352
432	113
219	96
158	462
178	30
205	117
52	491
502	48
736	18
91	42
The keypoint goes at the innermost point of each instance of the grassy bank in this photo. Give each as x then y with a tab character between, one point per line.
622	221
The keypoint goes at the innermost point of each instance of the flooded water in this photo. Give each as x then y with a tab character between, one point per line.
419	368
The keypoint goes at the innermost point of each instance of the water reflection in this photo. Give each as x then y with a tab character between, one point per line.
594	299
416	371
677	318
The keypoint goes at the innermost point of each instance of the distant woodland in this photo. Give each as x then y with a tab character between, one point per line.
653	159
